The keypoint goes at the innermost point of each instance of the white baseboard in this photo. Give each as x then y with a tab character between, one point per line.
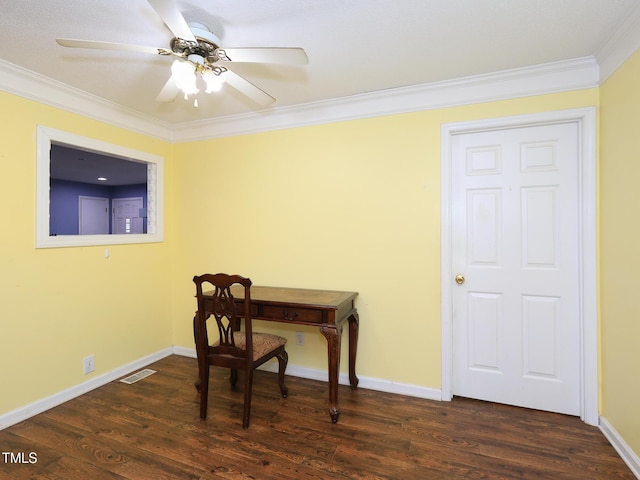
626	453
321	375
185	352
39	406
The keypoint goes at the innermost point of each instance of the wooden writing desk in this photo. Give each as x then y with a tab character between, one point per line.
325	309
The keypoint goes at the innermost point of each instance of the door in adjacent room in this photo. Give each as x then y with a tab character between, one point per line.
126	215
93	213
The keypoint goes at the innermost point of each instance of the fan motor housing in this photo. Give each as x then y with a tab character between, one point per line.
201	47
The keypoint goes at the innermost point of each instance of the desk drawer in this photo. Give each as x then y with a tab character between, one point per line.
293	314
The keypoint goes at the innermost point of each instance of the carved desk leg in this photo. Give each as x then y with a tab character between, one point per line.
354	321
333	334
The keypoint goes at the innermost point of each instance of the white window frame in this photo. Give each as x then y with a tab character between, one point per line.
155	190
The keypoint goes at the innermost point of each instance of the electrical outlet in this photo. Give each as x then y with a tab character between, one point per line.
299	338
88	364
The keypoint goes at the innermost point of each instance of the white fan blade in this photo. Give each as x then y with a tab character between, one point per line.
249	89
69	42
265	55
172	17
169	92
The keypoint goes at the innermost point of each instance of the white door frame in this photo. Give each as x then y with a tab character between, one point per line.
586	120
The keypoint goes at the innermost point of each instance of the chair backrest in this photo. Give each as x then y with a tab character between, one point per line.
219	303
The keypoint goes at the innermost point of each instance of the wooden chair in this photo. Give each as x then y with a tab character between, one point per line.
231	348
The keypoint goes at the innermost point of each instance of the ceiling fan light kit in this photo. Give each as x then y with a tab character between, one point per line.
213	80
198	51
184	75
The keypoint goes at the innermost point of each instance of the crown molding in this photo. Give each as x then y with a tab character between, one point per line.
622	44
33	86
522	82
528	81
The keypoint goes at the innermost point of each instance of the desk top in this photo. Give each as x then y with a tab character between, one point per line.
330	299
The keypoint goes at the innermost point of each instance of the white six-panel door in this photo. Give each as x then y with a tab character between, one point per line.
515	248
126	217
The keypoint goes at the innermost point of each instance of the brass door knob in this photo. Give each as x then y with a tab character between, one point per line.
459	279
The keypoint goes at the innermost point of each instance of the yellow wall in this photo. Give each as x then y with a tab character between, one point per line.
352	205
619	252
60	305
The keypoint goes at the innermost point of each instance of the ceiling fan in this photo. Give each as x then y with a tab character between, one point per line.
197	51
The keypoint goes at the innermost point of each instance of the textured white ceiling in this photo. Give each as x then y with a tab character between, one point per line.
354	46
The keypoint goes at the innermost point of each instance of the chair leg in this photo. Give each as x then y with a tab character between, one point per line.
248	385
233	378
283	359
204	390
195	336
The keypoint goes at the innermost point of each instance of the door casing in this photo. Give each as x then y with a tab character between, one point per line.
586	120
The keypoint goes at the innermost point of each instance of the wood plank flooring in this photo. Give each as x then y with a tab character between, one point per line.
151	430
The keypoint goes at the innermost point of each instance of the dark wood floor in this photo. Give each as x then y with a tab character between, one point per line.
151	430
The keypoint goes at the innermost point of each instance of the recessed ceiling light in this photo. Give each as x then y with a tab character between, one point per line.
102	179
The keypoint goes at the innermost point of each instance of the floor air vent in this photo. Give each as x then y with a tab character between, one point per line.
136	377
